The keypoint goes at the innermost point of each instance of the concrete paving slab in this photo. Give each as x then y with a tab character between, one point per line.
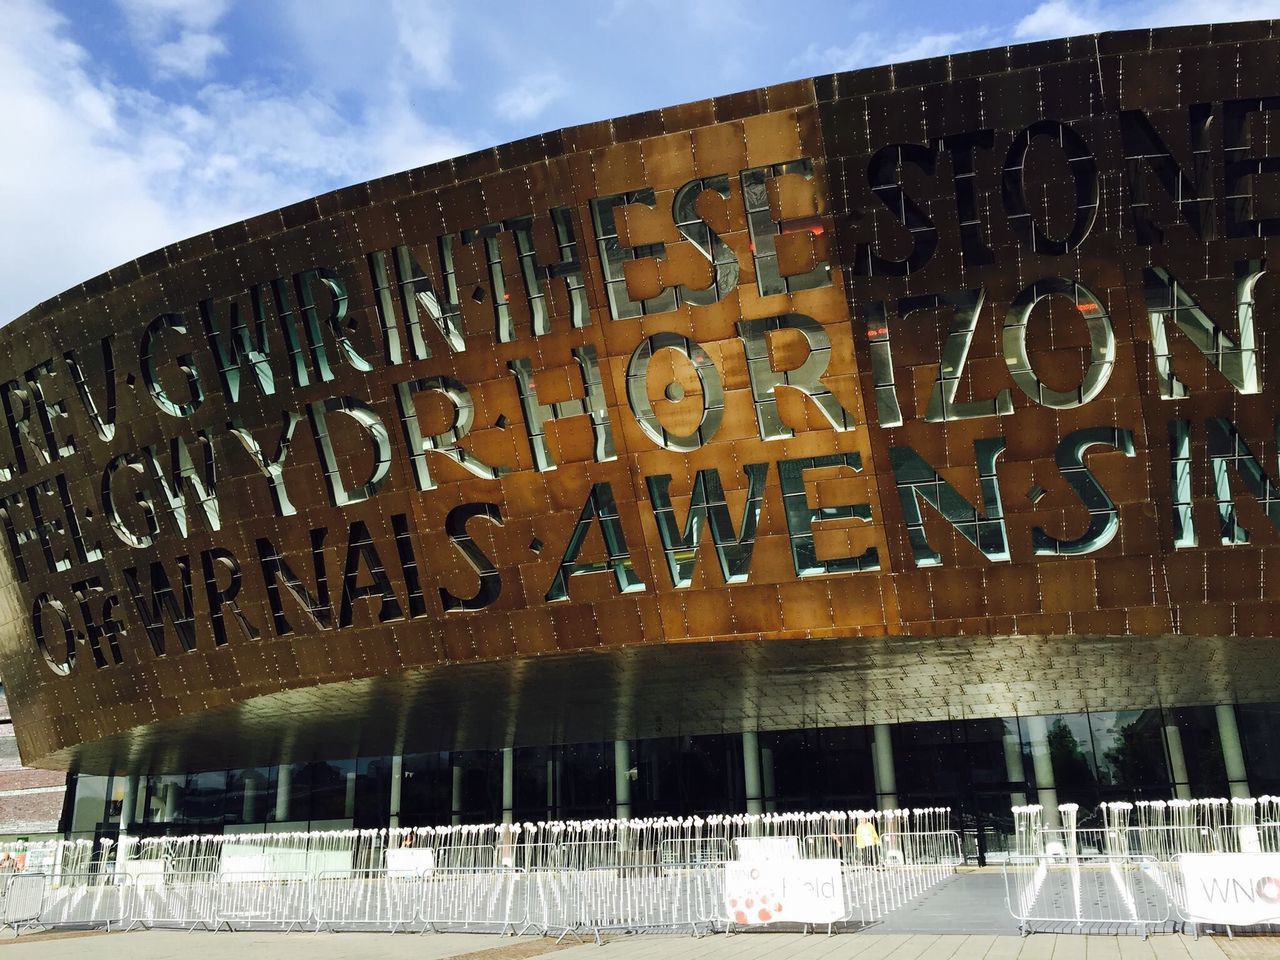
177	945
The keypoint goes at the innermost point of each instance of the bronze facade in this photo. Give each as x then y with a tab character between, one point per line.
924	370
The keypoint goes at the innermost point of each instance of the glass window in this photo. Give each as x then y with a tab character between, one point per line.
1069	741
842	768
426	790
929	766
535	772
1201	750
250	796
1260	739
585	782
478	786
688	775
1129	751
201	798
373	793
787	762
90	803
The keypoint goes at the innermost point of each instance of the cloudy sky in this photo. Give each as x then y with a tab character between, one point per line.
129	124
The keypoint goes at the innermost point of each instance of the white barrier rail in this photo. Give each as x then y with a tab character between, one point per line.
633	898
86	900
1086	891
366	900
492	900
258	901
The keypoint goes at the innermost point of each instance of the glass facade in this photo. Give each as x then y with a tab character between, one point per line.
979	768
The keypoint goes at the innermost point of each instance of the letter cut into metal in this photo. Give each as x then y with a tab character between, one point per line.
918	482
1104	518
708	507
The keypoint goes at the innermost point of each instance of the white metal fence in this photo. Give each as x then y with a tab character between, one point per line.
581	878
1193	862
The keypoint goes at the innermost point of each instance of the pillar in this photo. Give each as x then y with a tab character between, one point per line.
1177	761
1015	768
455	802
1042	767
1232	751
170	800
249	788
129	805
508	783
882	766
622	778
751	771
553	787
397	780
349	801
284	785
767	782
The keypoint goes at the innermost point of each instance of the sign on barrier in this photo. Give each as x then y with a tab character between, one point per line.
1235	889
784	891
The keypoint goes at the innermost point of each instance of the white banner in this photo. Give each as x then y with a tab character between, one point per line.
1232	888
783	891
410	861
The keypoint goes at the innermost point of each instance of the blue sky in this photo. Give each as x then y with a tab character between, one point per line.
133	123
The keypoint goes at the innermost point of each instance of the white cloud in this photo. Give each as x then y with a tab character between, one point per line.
424	29
1064	18
1052	19
94	173
530	96
177	35
872	49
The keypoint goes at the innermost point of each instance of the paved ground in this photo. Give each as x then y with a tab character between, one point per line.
170	945
970	902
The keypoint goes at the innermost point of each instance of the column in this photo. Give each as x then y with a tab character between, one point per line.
249	798
397	780
751	771
170	800
129	805
1177	760
1232	751
455	803
349	801
1015	768
284	785
553	785
882	766
1042	766
622	778
508	783
767	782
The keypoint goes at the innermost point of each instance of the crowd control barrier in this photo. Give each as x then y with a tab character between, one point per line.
583	878
1094	893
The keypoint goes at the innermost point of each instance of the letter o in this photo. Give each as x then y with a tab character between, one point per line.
1268	889
1102	343
1084	176
708	377
43	602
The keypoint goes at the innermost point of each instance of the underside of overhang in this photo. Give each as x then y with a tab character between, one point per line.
693	689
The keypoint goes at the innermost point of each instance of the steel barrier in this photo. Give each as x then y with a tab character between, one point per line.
257	901
366	900
186	903
86	900
632	897
482	899
1086	890
23	899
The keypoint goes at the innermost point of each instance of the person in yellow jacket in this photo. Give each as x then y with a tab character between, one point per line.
867	840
